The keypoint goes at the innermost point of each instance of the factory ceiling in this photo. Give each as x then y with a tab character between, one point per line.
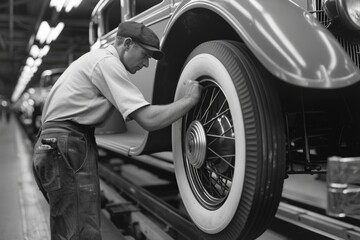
19	22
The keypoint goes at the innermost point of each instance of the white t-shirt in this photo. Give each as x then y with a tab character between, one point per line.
90	88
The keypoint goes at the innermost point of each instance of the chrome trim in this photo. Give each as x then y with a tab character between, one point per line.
353	50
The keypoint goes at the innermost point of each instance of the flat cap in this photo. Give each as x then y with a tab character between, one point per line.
142	35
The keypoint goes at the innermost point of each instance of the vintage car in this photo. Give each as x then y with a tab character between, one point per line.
281	96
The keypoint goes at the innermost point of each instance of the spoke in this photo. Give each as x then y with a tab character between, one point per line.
220	109
201	105
214	183
220	136
212	100
208	181
216	172
217	116
204	176
224	156
223	159
221	185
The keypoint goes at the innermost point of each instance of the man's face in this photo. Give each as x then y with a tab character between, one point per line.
136	57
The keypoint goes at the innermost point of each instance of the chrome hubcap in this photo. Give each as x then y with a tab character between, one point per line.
196	144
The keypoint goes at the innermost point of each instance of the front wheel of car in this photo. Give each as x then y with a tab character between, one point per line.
229	149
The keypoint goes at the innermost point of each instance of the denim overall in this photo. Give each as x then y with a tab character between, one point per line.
65	168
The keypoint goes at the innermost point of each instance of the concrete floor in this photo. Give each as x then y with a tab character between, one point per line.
21	211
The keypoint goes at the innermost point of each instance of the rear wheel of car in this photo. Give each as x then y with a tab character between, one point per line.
229	149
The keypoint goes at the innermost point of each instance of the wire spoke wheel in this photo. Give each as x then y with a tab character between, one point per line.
210	147
229	150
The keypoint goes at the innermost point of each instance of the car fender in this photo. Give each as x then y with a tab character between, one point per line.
286	39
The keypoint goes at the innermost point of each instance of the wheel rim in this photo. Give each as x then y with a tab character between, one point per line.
209	147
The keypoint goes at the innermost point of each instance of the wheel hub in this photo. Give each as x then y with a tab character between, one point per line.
195	146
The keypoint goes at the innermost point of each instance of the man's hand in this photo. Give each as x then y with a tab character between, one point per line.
193	91
153	117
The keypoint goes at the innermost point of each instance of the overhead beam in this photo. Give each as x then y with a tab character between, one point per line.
26	18
2	42
18	2
11	25
16	43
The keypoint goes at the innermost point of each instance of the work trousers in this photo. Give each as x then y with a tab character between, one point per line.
66	171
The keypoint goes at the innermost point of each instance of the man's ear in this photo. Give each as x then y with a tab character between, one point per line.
127	42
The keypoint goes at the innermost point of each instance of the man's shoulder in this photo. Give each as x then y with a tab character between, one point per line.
95	56
100	52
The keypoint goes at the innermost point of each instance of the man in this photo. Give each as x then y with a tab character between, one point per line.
65	155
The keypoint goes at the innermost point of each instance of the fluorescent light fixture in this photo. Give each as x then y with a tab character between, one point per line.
16	94
77	3
37	62
67	4
31	90
43	31
30	61
34	69
44	51
58	4
34	51
25	70
55	32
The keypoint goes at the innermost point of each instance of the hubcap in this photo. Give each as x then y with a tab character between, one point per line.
196	144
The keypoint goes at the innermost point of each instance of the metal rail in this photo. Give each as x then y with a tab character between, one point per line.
151	203
318	223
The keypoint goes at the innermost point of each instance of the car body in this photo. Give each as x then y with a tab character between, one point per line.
280	97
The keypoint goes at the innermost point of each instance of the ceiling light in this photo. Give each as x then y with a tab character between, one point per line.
38	62
43	32
26	69
30	61
77	3
34	51
67	4
58	4
34	69
44	51
55	32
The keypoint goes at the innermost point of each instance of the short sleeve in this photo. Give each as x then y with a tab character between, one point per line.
111	78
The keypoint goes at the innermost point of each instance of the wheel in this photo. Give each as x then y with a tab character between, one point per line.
229	150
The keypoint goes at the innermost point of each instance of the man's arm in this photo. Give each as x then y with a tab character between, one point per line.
154	117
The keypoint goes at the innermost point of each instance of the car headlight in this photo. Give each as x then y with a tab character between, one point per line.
346	11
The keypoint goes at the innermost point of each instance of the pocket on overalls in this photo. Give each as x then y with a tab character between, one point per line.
76	151
46	166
